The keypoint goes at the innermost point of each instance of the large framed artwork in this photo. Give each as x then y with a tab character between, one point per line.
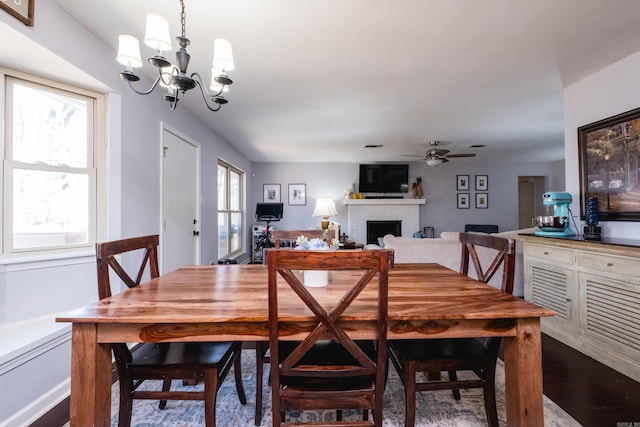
19	9
609	161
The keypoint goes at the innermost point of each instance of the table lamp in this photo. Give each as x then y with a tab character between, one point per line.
325	207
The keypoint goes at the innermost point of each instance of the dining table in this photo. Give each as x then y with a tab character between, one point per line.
229	303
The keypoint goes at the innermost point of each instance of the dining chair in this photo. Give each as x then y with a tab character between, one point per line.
189	362
324	368
262	347
433	356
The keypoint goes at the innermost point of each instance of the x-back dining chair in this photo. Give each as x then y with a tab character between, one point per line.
262	347
326	368
209	362
430	356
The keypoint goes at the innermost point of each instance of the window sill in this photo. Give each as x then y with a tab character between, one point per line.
46	259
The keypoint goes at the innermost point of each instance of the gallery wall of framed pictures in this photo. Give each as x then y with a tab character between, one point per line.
296	194
464	198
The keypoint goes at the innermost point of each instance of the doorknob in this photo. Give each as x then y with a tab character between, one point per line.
196	233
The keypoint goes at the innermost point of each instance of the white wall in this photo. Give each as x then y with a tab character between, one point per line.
611	91
439	185
34	350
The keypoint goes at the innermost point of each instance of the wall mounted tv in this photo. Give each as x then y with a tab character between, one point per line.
384	178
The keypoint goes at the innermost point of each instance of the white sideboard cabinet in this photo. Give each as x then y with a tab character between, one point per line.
594	288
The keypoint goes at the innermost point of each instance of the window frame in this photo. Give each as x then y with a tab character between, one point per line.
94	170
228	211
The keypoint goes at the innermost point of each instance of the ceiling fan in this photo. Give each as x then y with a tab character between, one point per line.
436	156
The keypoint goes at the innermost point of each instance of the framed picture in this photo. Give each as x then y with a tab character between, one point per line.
19	9
462	182
482	200
609	162
297	194
482	183
271	193
463	201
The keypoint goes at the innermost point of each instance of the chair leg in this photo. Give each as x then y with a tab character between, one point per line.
409	380
210	393
453	376
166	386
260	352
490	395
126	406
237	371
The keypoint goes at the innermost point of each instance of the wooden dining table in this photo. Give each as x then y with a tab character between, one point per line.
229	302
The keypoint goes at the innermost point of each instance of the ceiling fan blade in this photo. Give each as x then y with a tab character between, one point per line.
412	155
461	155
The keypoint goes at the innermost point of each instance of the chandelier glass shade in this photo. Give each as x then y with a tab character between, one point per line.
175	77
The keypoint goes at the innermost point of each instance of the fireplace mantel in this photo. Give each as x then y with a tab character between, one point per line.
384	201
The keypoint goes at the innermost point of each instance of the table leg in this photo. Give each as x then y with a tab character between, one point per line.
90	378
523	375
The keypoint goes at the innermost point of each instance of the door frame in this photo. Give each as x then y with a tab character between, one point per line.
164	127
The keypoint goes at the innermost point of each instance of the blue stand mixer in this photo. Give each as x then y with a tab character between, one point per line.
558	224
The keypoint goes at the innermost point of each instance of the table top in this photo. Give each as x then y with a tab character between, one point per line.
238	293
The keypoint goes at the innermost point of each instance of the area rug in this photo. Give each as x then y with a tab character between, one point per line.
437	409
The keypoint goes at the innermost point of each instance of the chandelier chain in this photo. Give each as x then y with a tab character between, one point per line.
183	18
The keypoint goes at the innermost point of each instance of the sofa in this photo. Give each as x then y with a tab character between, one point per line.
446	251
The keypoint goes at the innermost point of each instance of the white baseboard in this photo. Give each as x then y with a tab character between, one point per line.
40	406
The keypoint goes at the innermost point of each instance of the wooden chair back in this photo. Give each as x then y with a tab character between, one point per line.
505	256
298	363
280	235
106	259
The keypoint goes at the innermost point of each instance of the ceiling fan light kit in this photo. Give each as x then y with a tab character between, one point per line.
175	78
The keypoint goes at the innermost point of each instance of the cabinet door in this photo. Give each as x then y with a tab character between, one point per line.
554	287
611	317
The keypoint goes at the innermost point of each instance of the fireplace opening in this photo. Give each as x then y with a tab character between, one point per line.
378	229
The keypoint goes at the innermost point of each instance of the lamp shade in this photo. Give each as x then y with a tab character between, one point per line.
129	51
325	207
223	55
157	33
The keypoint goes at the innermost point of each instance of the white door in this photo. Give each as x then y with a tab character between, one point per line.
180	209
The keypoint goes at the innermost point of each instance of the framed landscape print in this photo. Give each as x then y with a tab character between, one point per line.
271	193
463	201
19	9
609	161
297	194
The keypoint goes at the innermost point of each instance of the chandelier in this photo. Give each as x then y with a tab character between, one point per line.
175	78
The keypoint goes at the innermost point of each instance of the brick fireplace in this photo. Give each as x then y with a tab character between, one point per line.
359	211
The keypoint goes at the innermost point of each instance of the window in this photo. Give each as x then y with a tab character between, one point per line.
230	210
50	174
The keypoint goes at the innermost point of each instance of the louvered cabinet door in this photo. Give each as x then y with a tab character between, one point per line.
611	319
555	287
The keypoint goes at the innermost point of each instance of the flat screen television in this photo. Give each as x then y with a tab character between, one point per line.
269	211
384	178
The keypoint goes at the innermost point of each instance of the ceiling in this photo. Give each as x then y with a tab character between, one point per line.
317	80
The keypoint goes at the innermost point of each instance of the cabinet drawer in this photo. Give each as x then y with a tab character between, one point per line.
559	255
610	263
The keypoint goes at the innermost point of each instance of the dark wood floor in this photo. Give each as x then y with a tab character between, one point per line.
593	394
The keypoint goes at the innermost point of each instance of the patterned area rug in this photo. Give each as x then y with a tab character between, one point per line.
437	408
